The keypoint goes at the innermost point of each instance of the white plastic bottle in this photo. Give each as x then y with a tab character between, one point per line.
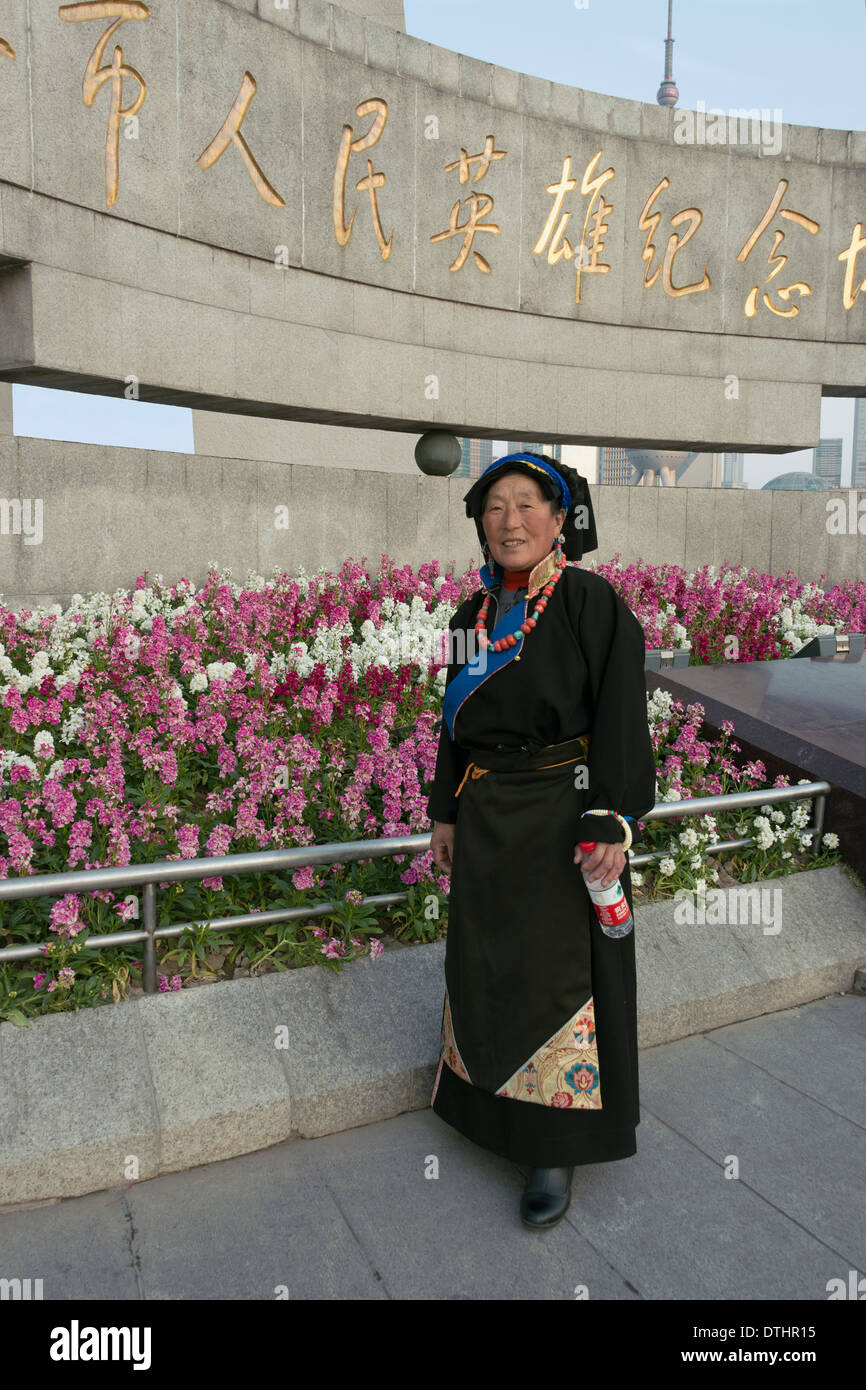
611	904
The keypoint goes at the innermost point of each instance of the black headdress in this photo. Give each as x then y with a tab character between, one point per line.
558	482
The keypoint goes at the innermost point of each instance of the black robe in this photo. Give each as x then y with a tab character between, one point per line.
538	1054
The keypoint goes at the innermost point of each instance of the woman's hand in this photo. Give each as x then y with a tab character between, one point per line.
606	860
442	844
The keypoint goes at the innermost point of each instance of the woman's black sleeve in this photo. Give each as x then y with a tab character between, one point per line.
622	770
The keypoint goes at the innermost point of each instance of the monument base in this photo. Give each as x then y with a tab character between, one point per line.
804	718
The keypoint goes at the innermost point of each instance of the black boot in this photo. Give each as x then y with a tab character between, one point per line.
546	1197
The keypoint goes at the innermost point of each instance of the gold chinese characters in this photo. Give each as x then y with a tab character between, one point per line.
230	133
557	243
648	222
849	256
588	246
371	182
479	204
96	74
784	291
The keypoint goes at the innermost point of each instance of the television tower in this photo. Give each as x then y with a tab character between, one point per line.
667	94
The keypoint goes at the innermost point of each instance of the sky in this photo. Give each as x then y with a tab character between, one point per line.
803	62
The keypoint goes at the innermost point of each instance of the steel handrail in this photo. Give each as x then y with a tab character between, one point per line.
148	876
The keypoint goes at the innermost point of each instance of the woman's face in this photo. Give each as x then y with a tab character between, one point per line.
518	522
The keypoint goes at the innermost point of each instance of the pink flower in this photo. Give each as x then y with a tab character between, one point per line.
187	839
64	916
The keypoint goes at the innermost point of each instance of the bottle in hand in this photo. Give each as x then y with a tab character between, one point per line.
611	905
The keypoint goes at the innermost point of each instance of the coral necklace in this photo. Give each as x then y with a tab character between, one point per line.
511	639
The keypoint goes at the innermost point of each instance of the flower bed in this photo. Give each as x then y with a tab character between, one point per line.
767	616
171	723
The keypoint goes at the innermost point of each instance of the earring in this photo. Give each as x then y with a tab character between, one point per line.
560	542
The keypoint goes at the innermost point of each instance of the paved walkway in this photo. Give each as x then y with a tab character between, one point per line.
355	1216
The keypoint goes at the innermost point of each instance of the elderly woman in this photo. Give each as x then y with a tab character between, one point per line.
544	723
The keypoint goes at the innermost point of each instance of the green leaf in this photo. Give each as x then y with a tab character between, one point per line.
17	1017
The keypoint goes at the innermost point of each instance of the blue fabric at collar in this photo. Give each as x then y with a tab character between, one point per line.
483	664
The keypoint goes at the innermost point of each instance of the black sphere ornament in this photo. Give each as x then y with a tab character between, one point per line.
438	453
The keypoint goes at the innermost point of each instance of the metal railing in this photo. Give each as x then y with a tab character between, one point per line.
148	876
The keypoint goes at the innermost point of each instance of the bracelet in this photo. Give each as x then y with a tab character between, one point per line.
626	844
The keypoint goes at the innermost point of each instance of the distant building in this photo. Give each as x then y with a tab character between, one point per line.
584	459
807	482
858	458
828	461
476	455
614	465
732	470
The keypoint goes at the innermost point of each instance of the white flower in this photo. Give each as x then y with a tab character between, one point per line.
667	867
198	681
636	879
70	726
778	816
8	760
831	840
695	862
700	885
689	838
672	795
220	670
43	744
805	837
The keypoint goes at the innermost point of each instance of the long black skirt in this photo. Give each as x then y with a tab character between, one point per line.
538	1059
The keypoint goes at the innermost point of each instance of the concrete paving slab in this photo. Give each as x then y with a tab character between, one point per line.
79	1248
456	1235
823	1038
799	1155
264	1226
672	1223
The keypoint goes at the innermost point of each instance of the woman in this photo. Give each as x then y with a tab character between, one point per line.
539	1059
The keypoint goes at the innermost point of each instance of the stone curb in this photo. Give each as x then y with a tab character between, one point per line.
160	1084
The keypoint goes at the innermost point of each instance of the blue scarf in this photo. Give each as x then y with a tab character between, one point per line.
485	663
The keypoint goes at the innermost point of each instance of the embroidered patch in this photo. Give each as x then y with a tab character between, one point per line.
563	1072
448	1050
